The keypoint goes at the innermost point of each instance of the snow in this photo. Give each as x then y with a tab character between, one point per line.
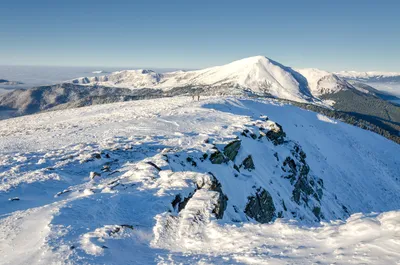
3	91
359	239
100	72
366	75
140	152
258	74
33	76
385	81
322	82
325	118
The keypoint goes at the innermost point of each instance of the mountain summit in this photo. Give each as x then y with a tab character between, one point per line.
258	74
254	76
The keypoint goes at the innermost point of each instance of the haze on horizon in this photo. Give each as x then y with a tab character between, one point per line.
335	36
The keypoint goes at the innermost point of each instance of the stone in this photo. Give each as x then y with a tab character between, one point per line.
94	174
232	149
260	206
218	158
248	163
276	135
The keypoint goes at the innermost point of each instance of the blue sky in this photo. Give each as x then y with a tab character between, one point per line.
331	35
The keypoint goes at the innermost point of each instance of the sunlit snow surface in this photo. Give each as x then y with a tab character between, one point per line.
122	216
32	76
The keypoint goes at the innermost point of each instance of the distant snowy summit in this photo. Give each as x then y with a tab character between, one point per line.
100	72
258	74
388	82
368	75
9	83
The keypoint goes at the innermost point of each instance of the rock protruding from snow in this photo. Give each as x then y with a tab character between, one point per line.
276	133
231	150
260	206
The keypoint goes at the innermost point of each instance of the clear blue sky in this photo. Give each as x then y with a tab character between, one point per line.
331	35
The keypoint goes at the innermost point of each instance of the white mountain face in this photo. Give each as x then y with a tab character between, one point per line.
321	82
226	180
257	74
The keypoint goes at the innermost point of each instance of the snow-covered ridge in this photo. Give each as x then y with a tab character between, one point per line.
257	74
9	83
322	82
388	82
176	181
367	75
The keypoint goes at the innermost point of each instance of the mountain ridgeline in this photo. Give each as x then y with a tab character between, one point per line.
258	76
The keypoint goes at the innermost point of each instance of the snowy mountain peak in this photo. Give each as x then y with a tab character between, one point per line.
257	74
322	82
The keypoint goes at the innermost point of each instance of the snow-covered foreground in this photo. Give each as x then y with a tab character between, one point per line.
140	183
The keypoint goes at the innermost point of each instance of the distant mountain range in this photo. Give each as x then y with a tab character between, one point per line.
384	81
254	76
9	83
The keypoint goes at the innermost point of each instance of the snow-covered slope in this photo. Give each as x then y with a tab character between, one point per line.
172	181
367	75
255	76
258	74
322	82
384	81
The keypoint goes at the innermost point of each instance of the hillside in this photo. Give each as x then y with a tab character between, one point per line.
256	76
368	107
322	82
171	180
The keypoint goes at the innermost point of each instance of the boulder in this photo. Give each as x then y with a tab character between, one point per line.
232	149
276	134
260	206
248	163
218	158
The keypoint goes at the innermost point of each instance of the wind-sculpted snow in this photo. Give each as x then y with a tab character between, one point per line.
138	183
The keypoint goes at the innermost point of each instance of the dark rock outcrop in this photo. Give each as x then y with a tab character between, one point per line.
220	207
307	189
218	158
179	204
276	134
231	150
260	206
248	163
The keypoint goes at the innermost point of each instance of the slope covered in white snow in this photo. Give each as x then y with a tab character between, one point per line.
367	75
384	81
170	181
322	82
257	74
